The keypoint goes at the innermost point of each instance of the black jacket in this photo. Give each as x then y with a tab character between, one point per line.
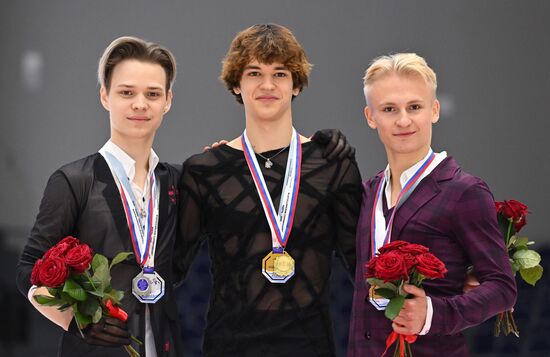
82	199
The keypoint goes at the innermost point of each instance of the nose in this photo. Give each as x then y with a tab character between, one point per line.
267	83
403	120
140	102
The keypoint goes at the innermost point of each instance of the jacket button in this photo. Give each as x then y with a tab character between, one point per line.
367	335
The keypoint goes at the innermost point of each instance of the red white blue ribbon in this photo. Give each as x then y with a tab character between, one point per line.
143	231
280	223
380	233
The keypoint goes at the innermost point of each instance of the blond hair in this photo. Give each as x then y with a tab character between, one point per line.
409	64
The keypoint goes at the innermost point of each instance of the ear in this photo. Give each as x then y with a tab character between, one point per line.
237	90
435	111
369	117
168	105
295	91
104	97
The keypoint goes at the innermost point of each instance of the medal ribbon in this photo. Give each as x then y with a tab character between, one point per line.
281	223
144	238
384	236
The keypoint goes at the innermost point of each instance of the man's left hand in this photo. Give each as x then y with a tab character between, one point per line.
336	144
412	317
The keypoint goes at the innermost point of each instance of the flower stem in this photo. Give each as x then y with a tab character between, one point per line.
508	232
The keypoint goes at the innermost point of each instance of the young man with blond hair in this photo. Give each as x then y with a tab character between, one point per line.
447	210
273	209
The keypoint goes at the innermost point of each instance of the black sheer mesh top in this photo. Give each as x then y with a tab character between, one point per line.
248	315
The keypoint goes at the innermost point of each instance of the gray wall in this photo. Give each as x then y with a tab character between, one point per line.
491	58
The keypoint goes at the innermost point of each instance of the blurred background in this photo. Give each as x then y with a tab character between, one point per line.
491	57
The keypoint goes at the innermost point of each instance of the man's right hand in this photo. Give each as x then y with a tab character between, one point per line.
108	332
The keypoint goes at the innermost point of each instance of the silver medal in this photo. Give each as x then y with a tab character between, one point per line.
148	286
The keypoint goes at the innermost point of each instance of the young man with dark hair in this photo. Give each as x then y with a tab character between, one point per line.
273	210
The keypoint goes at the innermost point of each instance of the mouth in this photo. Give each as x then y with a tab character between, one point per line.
404	135
138	118
266	98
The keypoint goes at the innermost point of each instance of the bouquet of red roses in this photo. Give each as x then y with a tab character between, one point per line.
396	264
511	219
78	279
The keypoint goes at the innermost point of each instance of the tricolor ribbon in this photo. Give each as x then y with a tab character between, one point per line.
280	223
384	236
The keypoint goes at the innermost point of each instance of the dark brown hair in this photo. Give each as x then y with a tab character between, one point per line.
266	43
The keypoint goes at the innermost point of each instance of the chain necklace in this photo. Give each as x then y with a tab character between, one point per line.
268	162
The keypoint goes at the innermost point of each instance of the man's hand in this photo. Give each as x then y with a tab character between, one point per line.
214	145
108	332
336	144
412	317
471	282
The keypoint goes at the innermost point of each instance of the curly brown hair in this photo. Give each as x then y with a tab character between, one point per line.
266	43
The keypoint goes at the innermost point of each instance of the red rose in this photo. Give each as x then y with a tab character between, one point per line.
514	210
53	272
430	266
410	260
391	266
61	248
392	246
79	258
35	278
371	268
413	249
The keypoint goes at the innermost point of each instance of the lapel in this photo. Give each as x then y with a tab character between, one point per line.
162	175
426	190
364	227
112	198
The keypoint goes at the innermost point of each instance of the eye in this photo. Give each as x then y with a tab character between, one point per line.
280	74
388	109
126	93
253	74
415	107
154	95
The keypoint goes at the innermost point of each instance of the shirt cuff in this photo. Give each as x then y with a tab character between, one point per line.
60	318
429	317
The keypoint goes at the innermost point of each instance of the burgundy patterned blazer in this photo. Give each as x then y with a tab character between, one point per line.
453	214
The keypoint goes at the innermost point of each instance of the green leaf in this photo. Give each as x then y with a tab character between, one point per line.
81	319
381	284
99	261
521	242
526	258
102	276
386	293
98	314
115	295
74	290
394	306
120	257
532	275
88	307
53	291
47	300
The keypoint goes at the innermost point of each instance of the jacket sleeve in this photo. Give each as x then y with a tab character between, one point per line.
346	207
476	230
56	219
191	222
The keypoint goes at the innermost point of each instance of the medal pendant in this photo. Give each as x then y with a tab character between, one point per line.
268	164
148	286
278	267
377	301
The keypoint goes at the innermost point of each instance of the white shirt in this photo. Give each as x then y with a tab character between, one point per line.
142	196
405	176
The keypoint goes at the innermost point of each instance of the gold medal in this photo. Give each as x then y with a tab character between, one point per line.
278	267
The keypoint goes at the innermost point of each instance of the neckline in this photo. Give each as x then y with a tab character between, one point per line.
265	153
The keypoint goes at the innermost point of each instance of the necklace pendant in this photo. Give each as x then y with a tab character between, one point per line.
268	164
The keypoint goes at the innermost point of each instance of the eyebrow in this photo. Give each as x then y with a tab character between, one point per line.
131	87
278	68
